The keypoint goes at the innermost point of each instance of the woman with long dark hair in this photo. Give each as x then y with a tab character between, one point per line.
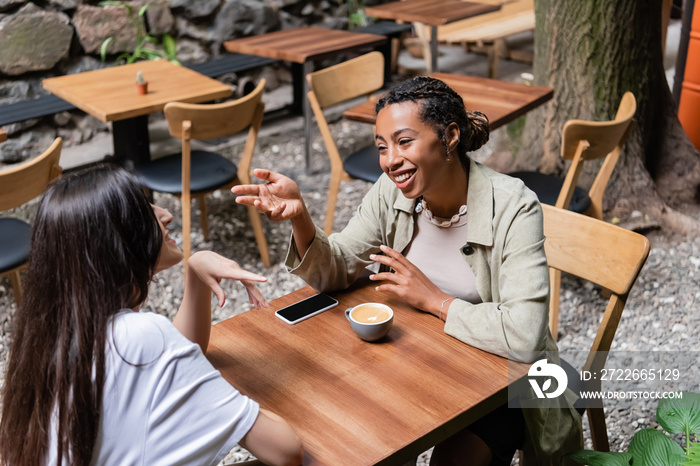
452	238
90	381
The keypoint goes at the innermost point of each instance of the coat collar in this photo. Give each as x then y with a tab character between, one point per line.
480	203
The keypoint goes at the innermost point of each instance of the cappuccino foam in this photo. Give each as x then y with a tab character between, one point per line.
370	314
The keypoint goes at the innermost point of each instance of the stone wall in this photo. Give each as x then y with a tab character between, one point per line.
48	38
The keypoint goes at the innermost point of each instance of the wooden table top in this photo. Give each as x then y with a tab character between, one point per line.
433	12
303	44
110	94
501	101
354	402
3	135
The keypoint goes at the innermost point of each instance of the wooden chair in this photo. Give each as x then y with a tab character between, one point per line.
18	185
606	255
196	173
354	78
581	141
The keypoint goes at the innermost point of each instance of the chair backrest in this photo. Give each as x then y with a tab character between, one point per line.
587	140
22	183
599	252
602	136
357	77
209	121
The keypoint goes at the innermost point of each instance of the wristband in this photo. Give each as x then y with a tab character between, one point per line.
443	305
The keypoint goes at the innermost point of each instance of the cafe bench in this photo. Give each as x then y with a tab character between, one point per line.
488	33
50	104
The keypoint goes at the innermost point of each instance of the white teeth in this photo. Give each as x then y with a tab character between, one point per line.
402	178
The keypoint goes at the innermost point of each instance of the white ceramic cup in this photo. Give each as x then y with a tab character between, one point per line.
370	321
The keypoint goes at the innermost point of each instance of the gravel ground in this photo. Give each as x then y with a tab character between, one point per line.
657	317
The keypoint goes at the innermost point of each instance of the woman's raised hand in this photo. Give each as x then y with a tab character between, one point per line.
279	199
211	268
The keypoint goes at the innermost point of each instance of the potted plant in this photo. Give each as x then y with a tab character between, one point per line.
653	447
141	83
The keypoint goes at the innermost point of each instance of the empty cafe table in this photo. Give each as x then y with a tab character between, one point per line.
357	403
110	94
501	101
301	46
431	12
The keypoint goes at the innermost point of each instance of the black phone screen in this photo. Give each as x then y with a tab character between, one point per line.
306	308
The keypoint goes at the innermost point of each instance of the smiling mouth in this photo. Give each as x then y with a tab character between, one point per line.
403	177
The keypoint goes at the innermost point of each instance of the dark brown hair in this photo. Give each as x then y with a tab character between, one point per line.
440	106
94	248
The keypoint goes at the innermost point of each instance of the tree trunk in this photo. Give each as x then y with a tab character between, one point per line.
591	52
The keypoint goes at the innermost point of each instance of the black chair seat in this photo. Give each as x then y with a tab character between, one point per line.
208	172
15	238
547	188
364	164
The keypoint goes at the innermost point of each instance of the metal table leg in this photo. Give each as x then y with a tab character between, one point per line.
433	49
301	104
308	68
131	141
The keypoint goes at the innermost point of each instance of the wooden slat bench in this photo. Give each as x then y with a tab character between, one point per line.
488	33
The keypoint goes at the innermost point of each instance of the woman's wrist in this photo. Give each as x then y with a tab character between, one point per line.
304	230
444	306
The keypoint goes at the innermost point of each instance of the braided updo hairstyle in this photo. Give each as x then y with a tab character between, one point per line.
441	105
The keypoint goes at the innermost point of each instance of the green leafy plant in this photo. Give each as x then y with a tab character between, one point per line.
145	42
356	14
651	447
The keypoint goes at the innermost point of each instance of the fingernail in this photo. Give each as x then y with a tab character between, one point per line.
372	256
371	277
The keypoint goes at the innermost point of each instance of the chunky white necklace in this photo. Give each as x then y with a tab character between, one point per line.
423	206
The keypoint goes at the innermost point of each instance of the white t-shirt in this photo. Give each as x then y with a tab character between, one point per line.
163	402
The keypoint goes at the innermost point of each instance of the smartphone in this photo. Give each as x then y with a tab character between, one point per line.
306	308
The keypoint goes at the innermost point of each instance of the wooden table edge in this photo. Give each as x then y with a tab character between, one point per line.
240	46
493	124
223	93
373	10
100	115
123	115
3	135
522	111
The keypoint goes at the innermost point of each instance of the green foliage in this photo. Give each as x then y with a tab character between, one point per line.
680	416
145	42
356	14
693	454
651	447
596	458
